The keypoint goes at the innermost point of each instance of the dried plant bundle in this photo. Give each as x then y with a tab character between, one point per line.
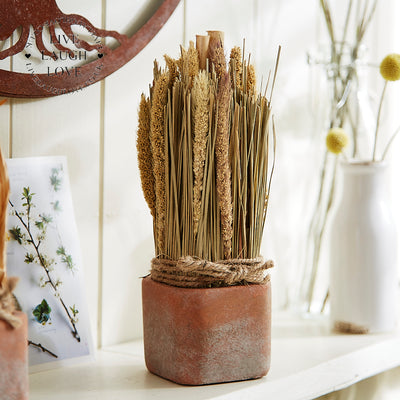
157	139
211	149
4	193
345	41
145	155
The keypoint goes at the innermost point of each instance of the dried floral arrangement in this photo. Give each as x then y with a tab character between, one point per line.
345	46
337	138
7	285
206	152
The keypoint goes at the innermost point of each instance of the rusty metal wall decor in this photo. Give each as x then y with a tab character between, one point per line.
45	15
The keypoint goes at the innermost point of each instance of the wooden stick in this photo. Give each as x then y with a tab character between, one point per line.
202	43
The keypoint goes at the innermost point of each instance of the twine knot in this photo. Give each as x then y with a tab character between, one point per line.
193	272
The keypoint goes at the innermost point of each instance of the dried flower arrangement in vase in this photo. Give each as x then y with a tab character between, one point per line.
363	237
349	108
205	145
13	323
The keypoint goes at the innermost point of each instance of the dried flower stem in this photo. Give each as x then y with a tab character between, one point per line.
222	163
200	113
26	223
378	118
42	348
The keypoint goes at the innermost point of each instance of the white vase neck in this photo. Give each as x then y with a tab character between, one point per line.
364	179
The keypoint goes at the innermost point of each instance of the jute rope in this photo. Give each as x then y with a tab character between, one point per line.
192	272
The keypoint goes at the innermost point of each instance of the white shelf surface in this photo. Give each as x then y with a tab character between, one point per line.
307	361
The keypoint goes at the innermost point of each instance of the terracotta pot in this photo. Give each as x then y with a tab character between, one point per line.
14	360
204	336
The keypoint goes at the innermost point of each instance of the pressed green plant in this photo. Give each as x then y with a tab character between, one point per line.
31	233
212	142
42	312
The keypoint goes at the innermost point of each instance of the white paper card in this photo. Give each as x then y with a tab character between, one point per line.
43	251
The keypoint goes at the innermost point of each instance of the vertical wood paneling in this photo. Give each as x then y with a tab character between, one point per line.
128	246
5	111
69	125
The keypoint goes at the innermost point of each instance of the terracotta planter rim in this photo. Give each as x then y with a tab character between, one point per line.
208	288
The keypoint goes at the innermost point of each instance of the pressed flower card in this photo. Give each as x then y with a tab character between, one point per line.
43	251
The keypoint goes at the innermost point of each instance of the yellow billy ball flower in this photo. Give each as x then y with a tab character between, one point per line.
390	67
336	140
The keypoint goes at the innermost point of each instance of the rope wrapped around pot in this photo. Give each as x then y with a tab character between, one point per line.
193	272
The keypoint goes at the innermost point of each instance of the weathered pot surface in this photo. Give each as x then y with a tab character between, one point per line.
14	360
206	336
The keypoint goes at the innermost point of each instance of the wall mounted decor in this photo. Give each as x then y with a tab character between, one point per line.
57	60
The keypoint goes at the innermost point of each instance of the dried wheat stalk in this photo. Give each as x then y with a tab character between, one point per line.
200	111
157	138
222	162
145	155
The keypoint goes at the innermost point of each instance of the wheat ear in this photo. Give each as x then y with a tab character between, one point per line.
145	156
222	163
157	139
200	101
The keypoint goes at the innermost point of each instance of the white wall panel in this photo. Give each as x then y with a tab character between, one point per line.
69	125
5	127
128	245
234	17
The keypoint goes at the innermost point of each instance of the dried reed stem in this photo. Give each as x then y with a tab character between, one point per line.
200	111
222	163
157	138
145	155
202	43
4	193
216	37
216	54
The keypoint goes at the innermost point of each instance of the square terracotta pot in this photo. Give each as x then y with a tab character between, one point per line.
14	360
204	336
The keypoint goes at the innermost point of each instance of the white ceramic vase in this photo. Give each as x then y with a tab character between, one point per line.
363	256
